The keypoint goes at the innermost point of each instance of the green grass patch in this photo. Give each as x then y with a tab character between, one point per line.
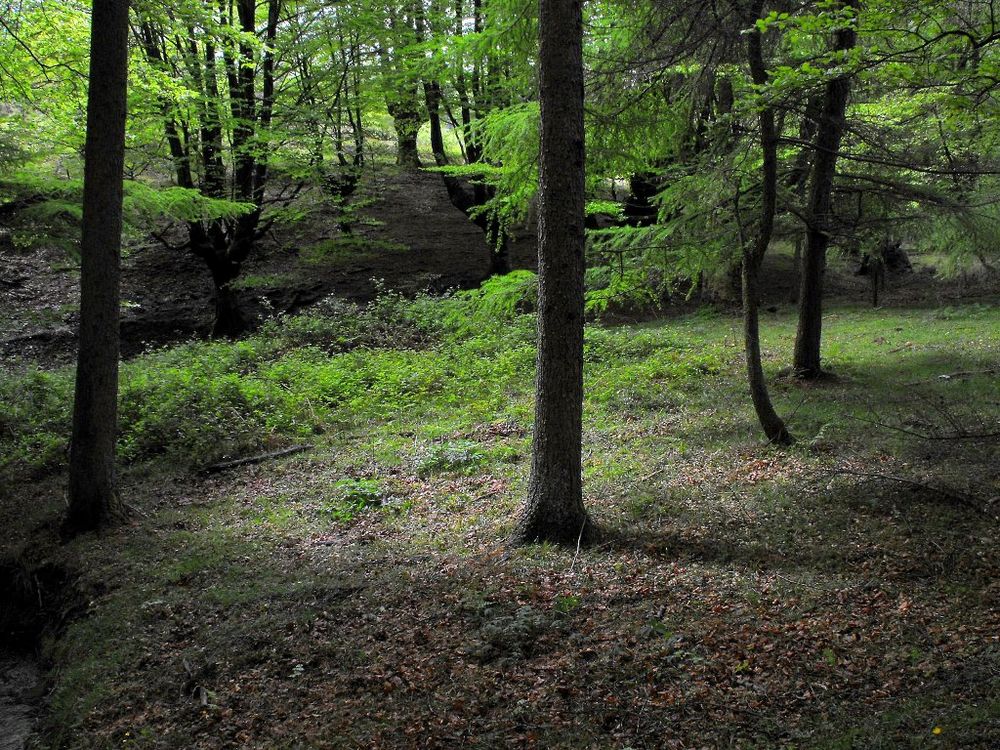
346	249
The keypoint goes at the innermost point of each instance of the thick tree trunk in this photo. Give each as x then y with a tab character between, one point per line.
829	133
230	322
554	510
753	255
93	498
406	144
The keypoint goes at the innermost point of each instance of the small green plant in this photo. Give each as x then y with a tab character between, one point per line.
565	604
660	629
503	297
460	456
352	496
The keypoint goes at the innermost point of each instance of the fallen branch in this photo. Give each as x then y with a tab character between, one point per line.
966	374
260	458
925	436
963	500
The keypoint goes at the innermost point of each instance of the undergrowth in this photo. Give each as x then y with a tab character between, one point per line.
730	569
344	365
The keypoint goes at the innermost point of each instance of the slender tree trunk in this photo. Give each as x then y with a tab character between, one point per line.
554	509
432	96
431	87
830	131
753	254
93	497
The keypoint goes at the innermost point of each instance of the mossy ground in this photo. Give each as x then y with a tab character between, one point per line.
841	593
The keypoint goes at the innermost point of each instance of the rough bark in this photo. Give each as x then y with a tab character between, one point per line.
554	509
753	254
829	133
93	497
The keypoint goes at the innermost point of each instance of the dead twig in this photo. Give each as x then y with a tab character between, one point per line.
959	435
579	539
260	458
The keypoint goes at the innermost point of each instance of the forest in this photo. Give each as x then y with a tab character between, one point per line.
499	374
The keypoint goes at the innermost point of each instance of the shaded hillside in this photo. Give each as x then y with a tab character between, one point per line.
403	230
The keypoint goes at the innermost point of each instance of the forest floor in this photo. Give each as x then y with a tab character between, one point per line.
842	593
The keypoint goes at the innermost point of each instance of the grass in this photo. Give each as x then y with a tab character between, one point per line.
347	250
360	594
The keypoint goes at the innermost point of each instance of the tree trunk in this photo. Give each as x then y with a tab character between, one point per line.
432	95
432	88
554	509
771	423
93	497
830	131
407	126
229	319
753	255
224	244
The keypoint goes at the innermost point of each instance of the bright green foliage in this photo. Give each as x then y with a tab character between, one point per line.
353	496
303	377
53	208
502	298
672	107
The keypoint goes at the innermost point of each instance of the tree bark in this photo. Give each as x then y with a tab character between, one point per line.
431	87
829	133
93	496
753	254
554	509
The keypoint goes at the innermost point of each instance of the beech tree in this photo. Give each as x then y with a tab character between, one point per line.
554	510
93	498
222	58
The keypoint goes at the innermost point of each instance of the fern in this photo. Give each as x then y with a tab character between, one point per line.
54	208
179	204
503	297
